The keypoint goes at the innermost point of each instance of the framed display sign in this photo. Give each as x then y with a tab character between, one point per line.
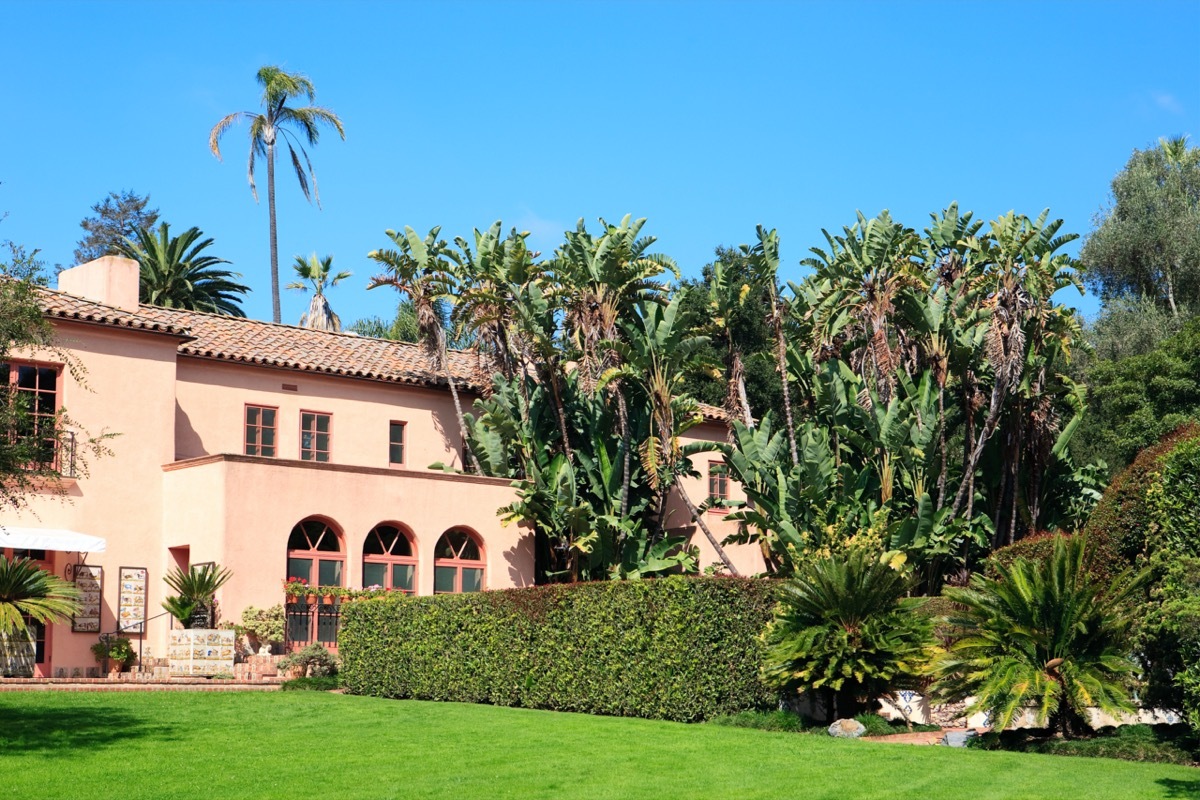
131	609
90	582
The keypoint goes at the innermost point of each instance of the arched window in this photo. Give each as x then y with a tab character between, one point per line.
315	541
457	563
388	560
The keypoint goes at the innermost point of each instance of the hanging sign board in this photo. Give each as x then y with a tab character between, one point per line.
131	610
89	581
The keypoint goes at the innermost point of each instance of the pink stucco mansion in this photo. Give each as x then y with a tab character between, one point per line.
269	449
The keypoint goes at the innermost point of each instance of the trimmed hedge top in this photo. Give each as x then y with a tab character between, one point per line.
674	648
1125	519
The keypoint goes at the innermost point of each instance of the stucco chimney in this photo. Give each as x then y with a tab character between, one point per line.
111	280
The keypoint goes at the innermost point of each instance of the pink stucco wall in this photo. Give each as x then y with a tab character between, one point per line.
176	488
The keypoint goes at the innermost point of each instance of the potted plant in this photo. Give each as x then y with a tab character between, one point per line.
198	649
195	602
116	650
295	590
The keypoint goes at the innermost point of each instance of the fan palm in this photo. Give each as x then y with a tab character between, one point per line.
276	120
845	627
1045	636
28	591
315	272
175	272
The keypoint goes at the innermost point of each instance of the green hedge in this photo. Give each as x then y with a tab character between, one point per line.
1124	521
674	648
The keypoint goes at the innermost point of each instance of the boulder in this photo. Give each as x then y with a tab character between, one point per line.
958	738
847	729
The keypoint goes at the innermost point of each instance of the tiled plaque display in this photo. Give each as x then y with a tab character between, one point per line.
131	610
89	581
200	652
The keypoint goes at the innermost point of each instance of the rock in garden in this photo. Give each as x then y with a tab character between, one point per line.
958	738
847	729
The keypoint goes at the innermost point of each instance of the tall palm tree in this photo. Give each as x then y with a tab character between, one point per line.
276	120
315	272
29	593
175	272
418	268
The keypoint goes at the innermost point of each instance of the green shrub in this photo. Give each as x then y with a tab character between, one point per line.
846	629
1124	522
1045	635
314	659
260	626
673	648
1164	744
881	726
315	683
779	721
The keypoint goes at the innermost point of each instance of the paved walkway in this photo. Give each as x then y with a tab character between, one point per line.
106	685
923	737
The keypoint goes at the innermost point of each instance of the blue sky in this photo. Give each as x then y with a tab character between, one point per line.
706	118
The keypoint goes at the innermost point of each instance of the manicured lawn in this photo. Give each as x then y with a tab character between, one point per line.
312	745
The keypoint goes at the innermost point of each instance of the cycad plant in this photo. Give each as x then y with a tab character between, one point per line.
1043	636
28	591
194	602
846	628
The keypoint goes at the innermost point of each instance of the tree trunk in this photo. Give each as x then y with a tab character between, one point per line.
941	498
697	517
462	422
781	347
275	315
626	477
562	418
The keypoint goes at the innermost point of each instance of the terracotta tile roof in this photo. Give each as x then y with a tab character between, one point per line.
58	305
289	347
286	346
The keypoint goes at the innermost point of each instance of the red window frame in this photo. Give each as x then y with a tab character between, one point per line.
393	425
40	418
718	484
456	561
390	557
314	532
310	448
259	427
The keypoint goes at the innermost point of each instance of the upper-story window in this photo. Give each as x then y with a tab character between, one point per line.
718	484
396	443
260	430
34	387
315	431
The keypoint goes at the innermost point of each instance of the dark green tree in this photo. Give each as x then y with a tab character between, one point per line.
741	338
1148	241
115	218
1133	402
